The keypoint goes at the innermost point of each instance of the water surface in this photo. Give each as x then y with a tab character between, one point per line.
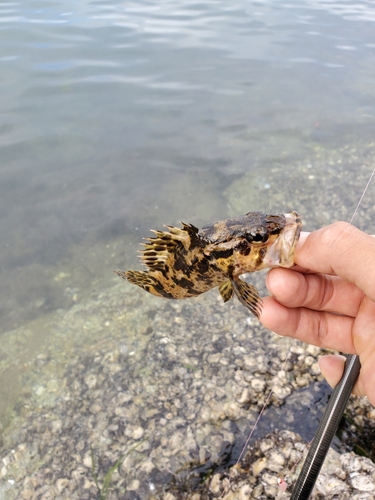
117	116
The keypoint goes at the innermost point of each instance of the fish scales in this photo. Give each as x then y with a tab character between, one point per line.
186	262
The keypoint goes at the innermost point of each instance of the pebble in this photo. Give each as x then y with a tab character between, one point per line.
334	486
205	413
184	400
282	392
61	484
309	360
215	484
90	380
134	485
315	369
138	433
27	494
259	465
363	483
258	384
87	459
95	408
56	426
214	358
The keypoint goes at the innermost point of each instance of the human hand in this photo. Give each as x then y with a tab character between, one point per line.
328	299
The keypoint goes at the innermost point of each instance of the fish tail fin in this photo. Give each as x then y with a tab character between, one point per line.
141	278
226	290
249	296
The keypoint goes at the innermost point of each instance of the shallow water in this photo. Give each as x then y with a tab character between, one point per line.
117	117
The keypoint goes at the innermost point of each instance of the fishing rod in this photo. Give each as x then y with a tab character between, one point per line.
331	417
326	430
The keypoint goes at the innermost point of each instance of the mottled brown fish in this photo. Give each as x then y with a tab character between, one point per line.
188	261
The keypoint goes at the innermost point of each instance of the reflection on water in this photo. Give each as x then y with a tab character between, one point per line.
108	109
117	117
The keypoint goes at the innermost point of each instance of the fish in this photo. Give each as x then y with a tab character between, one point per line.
186	262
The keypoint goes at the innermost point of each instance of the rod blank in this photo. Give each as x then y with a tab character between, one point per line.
326	430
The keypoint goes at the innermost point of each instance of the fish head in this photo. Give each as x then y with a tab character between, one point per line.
280	252
252	242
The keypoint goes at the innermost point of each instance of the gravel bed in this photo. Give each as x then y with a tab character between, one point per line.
279	456
171	405
127	396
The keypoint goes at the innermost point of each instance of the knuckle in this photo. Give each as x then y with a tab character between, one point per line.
327	291
335	233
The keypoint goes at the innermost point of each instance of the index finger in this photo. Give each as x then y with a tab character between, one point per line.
339	249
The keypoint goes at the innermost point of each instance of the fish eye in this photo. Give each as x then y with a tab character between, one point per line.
260	235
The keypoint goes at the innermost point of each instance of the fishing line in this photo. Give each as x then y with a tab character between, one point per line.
259	417
331	418
361	198
264	406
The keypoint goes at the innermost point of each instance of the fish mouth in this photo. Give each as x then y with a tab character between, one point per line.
281	252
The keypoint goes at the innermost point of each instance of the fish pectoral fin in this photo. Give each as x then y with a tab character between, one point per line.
226	290
248	296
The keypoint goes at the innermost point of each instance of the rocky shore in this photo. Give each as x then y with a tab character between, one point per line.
127	396
135	397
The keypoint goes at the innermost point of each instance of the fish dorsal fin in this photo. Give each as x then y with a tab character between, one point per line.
189	228
248	296
166	247
226	290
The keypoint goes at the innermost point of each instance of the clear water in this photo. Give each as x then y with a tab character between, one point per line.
116	116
